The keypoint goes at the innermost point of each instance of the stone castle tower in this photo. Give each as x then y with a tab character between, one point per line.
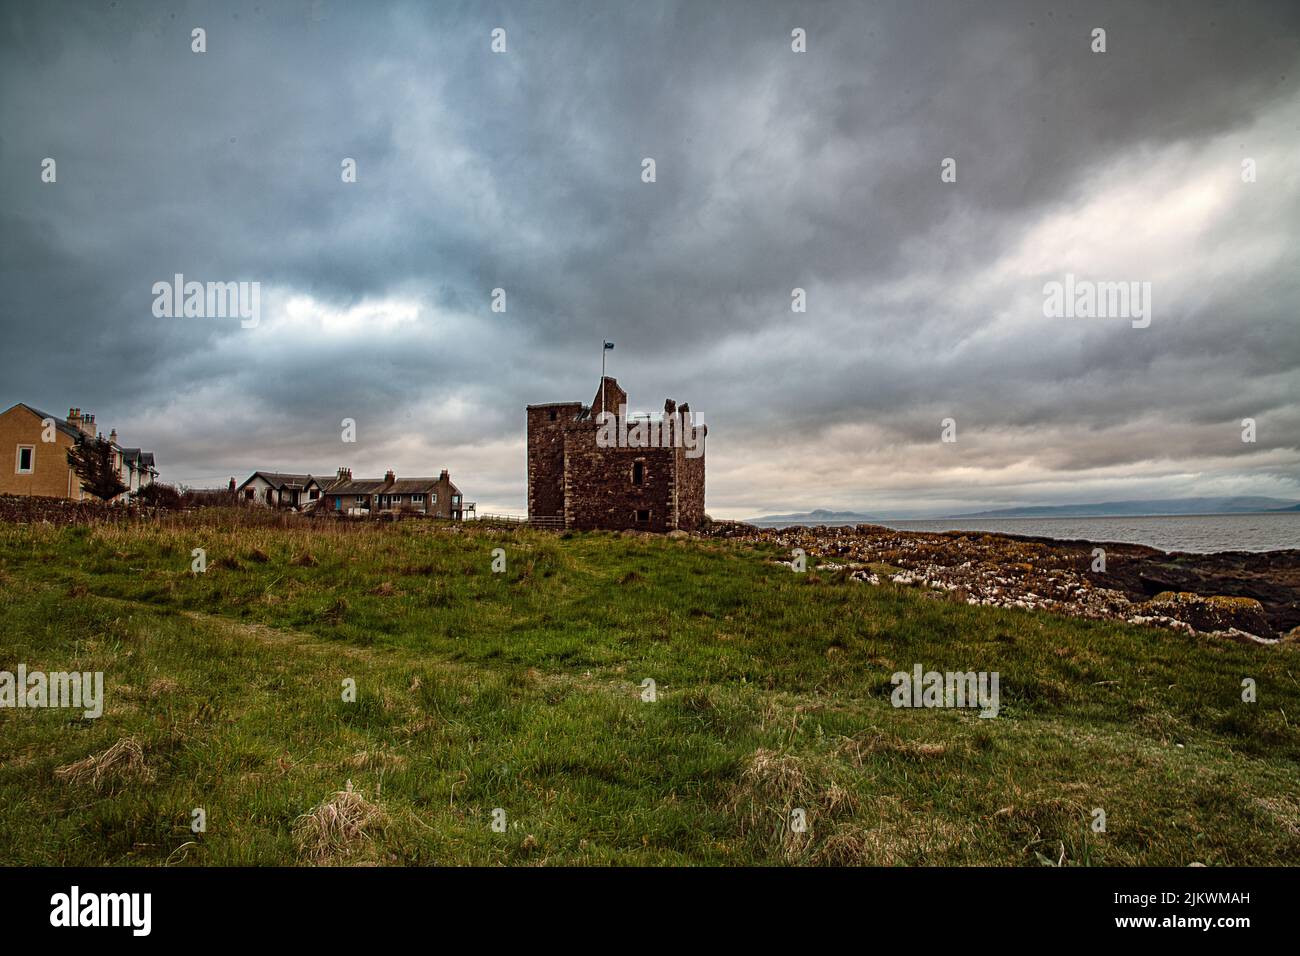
593	467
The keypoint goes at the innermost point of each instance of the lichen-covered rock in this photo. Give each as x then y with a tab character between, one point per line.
1215	612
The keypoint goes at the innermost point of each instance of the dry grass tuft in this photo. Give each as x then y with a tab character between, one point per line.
774	785
338	826
778	777
858	749
895	836
121	763
305	560
1285	812
379	759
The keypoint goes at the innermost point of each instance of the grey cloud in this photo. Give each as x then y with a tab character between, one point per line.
522	171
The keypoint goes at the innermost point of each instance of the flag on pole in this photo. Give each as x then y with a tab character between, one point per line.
609	345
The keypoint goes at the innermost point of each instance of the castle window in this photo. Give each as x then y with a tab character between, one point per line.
642	516
638	472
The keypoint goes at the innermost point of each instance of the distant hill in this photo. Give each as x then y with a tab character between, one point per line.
1158	506
820	516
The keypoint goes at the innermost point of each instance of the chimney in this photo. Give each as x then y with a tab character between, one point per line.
112	436
389	477
345	474
444	478
232	484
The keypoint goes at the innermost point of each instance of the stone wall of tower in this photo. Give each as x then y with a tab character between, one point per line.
600	490
546	425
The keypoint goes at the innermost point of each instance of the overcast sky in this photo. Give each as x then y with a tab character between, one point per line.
774	170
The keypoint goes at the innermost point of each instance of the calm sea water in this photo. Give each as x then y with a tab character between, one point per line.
1202	533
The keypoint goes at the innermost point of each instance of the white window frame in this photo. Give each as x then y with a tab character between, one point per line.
417	498
18	461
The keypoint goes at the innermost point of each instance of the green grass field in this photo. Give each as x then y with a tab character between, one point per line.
523	691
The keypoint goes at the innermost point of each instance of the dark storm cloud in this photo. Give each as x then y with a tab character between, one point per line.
775	170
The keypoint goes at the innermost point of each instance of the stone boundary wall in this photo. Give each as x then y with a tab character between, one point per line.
35	509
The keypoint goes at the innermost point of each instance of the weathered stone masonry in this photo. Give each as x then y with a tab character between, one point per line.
573	479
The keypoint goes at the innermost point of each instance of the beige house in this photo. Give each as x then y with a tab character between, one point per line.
35	448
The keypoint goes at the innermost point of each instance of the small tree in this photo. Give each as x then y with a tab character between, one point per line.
94	461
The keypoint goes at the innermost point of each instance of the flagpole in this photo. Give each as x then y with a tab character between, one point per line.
605	346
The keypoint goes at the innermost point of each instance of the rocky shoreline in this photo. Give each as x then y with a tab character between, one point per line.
1247	596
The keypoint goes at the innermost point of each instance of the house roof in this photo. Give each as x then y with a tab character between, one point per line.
359	486
278	479
381	486
404	486
59	423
